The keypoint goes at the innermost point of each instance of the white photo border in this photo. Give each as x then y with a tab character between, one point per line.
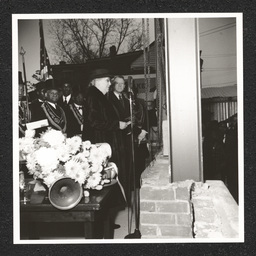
15	69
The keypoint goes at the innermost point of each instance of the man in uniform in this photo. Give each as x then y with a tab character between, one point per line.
75	115
50	110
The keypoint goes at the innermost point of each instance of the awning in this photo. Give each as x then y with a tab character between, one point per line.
212	92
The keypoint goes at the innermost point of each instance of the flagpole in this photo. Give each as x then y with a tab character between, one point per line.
27	116
45	78
45	69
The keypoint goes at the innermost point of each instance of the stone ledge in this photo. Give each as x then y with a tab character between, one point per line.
157	173
226	207
215	210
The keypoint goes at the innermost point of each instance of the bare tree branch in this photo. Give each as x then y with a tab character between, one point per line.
83	39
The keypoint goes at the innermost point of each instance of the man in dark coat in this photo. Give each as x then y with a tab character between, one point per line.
118	99
101	123
122	107
66	98
50	110
231	154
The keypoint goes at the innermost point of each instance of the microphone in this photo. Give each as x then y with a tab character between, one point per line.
130	81
130	85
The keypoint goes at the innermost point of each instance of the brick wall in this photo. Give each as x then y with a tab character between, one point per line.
165	208
165	212
185	209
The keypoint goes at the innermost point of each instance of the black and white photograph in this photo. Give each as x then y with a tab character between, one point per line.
128	128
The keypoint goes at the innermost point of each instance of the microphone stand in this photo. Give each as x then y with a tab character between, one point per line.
136	233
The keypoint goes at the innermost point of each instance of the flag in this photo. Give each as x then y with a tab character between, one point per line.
45	67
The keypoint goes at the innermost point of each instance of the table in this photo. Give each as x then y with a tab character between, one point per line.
92	211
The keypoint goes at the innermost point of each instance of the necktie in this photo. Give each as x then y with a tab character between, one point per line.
121	100
79	108
65	101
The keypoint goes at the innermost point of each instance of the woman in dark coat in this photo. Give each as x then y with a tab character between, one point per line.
101	123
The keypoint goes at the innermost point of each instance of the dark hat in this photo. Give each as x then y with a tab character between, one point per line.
100	73
40	86
67	82
20	78
50	84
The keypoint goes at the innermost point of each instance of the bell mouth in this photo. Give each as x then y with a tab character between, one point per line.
65	193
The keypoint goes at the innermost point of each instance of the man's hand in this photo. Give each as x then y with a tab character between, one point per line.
142	135
123	125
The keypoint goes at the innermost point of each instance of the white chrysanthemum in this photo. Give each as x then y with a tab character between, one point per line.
51	178
76	140
31	162
105	149
93	146
53	137
47	158
80	158
71	167
73	170
86	153
47	170
96	167
30	133
74	144
63	153
85	168
94	180
26	145
86	145
96	156
80	177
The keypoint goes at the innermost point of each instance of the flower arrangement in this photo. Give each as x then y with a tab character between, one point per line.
53	156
